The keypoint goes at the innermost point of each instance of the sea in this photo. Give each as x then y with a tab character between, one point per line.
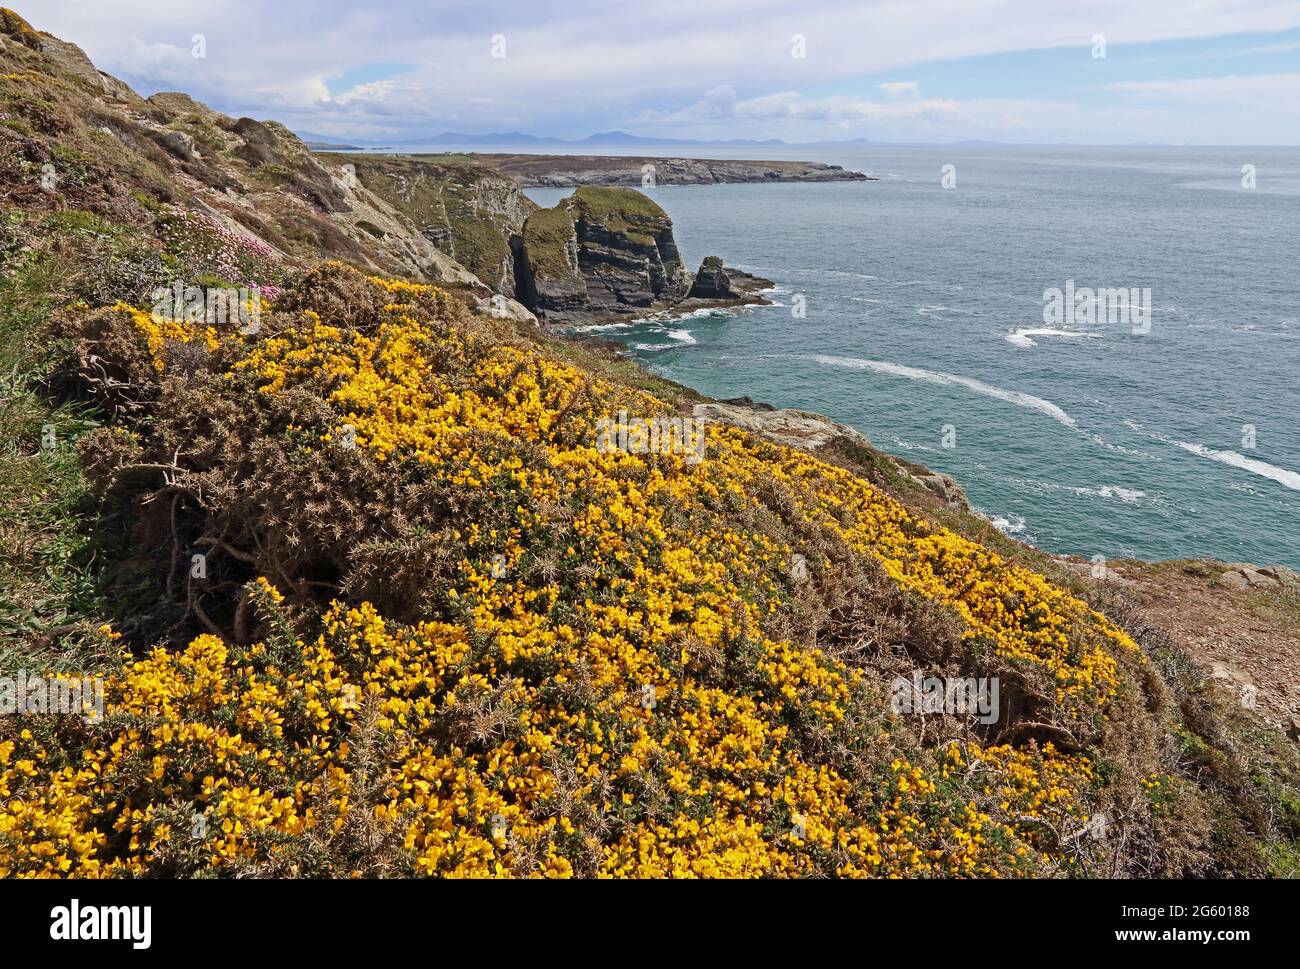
1102	345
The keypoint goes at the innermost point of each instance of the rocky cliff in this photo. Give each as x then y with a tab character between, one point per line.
466	210
600	252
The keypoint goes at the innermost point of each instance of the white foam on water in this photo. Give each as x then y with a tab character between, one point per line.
1009	526
1255	330
909	445
1015	397
682	336
1024	337
1288	479
1128	495
665	318
782	271
1283	476
599	327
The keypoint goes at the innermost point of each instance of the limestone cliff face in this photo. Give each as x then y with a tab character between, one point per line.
470	212
600	252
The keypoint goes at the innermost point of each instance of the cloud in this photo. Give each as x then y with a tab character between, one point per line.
719	102
898	88
722	102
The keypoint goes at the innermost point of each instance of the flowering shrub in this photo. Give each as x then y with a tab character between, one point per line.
219	755
205	245
595	692
162	332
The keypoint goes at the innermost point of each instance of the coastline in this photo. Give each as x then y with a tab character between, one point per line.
574	171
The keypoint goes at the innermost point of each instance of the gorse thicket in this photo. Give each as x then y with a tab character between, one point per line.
441	632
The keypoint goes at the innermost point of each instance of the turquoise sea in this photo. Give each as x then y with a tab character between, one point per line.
920	306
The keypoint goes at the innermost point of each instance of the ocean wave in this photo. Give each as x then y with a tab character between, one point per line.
1015	397
1024	337
1119	492
784	271
1254	329
682	336
907	445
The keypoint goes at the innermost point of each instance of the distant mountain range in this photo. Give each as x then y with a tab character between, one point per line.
604	138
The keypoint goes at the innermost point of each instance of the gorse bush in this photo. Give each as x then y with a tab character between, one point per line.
438	630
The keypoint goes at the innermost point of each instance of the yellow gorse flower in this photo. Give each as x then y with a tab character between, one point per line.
602	687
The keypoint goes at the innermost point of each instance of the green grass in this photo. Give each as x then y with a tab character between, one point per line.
604	201
546	239
49	604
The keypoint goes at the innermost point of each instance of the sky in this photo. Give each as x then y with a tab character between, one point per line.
1206	72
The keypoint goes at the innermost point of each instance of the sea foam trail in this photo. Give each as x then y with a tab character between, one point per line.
935	377
1289	479
1024	338
1284	477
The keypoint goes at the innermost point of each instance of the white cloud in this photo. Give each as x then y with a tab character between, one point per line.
898	88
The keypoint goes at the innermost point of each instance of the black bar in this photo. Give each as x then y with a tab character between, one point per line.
258	919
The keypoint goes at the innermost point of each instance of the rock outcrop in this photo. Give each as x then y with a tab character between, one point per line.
1243	576
601	252
716	286
712	281
796	428
944	486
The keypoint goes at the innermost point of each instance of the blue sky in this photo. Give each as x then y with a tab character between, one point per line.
1210	72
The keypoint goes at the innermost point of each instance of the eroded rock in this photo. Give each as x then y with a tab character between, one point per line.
946	487
712	281
600	252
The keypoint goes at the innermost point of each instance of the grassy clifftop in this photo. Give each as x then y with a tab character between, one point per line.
383	586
